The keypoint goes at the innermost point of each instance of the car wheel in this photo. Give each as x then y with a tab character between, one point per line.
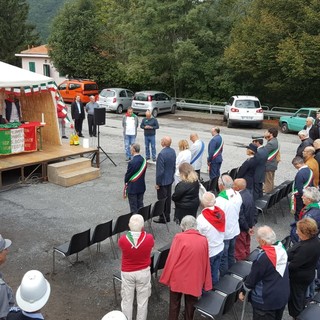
224	118
173	109
229	124
259	125
284	128
155	113
120	109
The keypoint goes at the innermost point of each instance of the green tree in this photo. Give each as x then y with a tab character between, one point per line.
15	33
275	51
74	43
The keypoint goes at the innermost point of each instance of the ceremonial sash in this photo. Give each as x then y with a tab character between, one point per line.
218	150
135	176
295	191
273	154
199	154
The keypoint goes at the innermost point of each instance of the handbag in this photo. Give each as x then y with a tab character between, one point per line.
202	190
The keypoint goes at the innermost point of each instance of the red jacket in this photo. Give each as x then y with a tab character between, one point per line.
187	269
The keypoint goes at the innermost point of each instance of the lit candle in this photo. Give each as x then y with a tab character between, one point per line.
42	117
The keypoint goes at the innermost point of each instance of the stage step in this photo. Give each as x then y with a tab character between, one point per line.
72	172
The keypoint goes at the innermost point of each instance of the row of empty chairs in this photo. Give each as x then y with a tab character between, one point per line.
107	230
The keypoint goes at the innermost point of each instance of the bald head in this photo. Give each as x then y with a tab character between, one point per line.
239	184
208	200
166	141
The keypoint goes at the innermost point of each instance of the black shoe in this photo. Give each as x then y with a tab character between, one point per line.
81	135
95	135
65	137
159	221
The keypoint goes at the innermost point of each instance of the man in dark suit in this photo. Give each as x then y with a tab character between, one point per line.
247	219
306	141
78	115
303	179
165	169
134	179
261	159
215	149
311	128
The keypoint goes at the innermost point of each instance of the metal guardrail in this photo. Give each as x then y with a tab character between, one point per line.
218	107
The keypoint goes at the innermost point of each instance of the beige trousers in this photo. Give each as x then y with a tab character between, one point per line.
269	181
141	282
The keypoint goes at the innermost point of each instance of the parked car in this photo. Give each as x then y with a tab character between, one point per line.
296	122
243	110
69	89
115	99
156	101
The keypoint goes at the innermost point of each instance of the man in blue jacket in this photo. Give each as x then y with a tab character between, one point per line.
269	278
165	169
215	149
134	179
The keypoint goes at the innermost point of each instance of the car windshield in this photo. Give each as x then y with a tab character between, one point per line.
141	97
247	104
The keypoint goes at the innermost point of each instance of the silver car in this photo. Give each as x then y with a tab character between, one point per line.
156	101
115	99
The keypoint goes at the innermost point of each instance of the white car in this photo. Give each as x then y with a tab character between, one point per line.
115	99
243	110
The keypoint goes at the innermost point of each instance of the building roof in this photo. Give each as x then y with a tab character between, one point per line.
36	50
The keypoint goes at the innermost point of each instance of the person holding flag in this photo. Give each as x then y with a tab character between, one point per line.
134	179
215	149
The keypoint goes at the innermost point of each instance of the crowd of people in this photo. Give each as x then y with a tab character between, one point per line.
212	238
227	219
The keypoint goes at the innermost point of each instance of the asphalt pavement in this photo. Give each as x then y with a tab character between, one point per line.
38	216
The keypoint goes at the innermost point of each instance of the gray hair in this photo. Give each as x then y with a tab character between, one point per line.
303	133
226	181
188	222
136	147
297	160
267	234
136	222
312	193
316	144
310	119
208	199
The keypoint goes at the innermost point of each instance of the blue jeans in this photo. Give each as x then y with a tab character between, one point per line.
215	264
128	141
227	259
147	141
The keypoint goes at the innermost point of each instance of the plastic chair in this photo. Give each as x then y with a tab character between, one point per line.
265	203
211	304
78	242
253	254
102	232
240	269
158	211
286	242
233	173
121	224
312	312
160	258
145	212
231	286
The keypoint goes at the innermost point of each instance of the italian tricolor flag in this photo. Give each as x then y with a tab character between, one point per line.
278	256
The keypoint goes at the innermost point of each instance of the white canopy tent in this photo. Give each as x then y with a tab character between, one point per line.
11	76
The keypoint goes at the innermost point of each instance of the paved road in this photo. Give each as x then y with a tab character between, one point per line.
39	216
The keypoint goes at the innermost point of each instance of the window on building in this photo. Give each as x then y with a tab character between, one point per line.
32	66
46	70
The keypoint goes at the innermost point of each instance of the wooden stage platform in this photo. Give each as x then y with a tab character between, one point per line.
39	160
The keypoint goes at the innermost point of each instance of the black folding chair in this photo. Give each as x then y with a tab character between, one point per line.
253	254
78	242
265	203
146	214
231	286
158	211
312	312
160	258
233	173
211	304
240	269
102	232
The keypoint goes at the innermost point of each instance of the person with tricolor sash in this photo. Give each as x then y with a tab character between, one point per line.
215	149
268	279
134	179
197	151
303	179
272	148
